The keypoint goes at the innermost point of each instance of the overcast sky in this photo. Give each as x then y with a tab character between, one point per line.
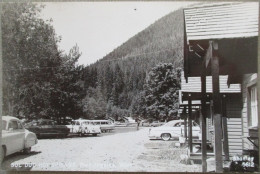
99	27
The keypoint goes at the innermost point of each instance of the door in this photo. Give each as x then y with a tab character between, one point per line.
15	137
177	129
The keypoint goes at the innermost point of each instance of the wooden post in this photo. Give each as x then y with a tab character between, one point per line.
225	130
217	109
185	124
203	117
190	122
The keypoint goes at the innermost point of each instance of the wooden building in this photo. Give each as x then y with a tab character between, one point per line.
249	112
221	39
233	108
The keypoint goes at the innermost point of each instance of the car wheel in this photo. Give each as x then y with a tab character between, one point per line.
27	150
166	137
3	153
94	135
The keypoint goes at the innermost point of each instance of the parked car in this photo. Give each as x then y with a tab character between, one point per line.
15	137
105	125
156	123
47	128
172	130
84	127
120	124
144	123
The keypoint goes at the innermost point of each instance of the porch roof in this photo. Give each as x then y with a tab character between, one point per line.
222	20
234	26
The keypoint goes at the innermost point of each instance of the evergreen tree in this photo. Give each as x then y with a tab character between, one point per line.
161	91
38	80
94	105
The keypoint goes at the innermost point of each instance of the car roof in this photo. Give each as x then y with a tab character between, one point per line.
40	120
175	121
81	120
7	118
44	119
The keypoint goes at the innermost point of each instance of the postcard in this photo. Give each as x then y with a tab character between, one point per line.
129	86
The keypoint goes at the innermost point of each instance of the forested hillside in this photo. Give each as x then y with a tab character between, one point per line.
140	78
119	77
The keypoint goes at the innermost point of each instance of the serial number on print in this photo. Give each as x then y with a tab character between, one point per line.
64	165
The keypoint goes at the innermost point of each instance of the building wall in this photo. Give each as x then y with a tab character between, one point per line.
234	136
234	124
194	85
248	80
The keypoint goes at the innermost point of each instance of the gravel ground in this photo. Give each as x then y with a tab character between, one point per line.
128	151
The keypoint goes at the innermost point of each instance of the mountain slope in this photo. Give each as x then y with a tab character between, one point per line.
121	74
164	38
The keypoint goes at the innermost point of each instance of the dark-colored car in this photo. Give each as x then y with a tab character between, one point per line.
47	128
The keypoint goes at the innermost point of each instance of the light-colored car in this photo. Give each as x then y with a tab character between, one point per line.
172	130
84	127
105	125
15	137
157	123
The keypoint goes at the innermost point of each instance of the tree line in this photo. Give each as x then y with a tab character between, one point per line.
140	78
39	80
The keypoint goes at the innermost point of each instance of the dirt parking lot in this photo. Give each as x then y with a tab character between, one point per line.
130	150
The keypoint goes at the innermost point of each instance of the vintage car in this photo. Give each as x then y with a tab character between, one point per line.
47	128
105	125
172	130
84	127
156	123
15	137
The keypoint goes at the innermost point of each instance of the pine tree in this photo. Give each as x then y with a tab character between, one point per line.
161	91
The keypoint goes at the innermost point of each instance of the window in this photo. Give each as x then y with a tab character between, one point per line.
3	125
179	124
13	124
20	126
194	124
253	121
43	123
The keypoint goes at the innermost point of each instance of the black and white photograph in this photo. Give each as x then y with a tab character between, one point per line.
129	86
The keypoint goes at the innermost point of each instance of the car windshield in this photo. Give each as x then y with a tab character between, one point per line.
3	125
168	124
171	124
178	124
195	124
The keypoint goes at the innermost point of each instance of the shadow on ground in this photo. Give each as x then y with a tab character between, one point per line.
9	162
